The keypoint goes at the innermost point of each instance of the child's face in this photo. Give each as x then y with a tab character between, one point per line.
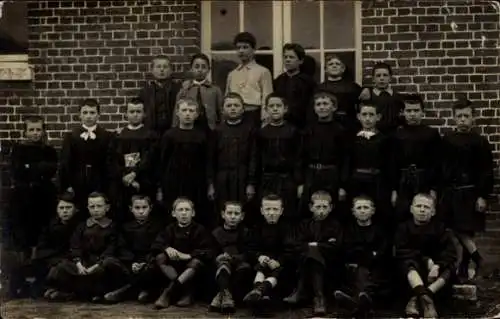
140	209
187	113
232	215
463	119
271	210
233	108
324	107
183	213
381	78
291	60
200	69
334	67
135	113
363	209
422	209
245	51
320	208
89	115
161	69
34	131
97	207
65	210
368	117
276	109
413	113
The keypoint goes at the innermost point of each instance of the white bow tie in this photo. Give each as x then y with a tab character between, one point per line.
89	134
366	134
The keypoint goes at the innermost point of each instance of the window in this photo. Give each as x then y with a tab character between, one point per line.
322	27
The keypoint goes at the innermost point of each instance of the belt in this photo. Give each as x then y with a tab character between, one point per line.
373	171
322	166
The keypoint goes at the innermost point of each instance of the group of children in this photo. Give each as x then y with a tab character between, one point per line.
283	160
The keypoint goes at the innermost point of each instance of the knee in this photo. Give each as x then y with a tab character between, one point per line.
195	263
161	259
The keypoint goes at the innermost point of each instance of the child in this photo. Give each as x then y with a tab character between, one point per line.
369	163
137	238
365	253
317	244
323	152
232	164
231	241
159	96
208	95
250	80
33	164
295	86
93	269
183	160
467	181
416	150
132	159
85	156
278	144
388	102
267	250
426	254
340	82
181	250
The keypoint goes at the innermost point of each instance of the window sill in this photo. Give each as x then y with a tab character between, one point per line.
15	68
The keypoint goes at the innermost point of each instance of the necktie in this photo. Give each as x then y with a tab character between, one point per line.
88	134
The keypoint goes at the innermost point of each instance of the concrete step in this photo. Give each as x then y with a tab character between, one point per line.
465	292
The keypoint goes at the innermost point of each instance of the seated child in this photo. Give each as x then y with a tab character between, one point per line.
231	241
181	250
426	253
317	244
137	237
93	269
365	249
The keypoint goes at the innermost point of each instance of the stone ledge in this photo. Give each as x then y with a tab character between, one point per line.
16	71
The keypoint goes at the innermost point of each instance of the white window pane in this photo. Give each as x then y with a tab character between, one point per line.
339	24
225	23
222	64
306	24
258	20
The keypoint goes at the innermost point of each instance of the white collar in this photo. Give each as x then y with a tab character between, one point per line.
89	129
377	91
133	128
204	82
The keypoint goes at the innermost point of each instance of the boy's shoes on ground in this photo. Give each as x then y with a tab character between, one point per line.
215	305
411	309
227	302
428	307
143	297
345	300
319	308
254	295
60	296
296	297
185	301
164	300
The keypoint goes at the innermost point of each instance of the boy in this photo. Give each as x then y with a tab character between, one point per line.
137	237
250	80
425	251
317	244
93	269
295	86
467	181
131	165
183	160
416	151
369	163
181	250
159	96
232	164
85	156
323	152
388	102
278	144
231	241
208	95
267	250
365	252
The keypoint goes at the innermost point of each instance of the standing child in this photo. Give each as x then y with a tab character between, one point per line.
183	160
278	144
85	156
426	253
318	245
250	80
295	86
467	182
181	250
231	241
416	154
159	96
208	95
131	165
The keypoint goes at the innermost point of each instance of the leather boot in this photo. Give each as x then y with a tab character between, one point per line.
298	294
164	300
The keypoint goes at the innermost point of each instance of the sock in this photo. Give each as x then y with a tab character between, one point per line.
476	257
420	290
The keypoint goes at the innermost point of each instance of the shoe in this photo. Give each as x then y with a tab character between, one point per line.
215	305
143	297
185	301
319	308
296	297
254	295
344	299
164	300
411	309
48	293
227	302
428	307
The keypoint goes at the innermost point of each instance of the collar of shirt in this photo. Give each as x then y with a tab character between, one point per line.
378	91
134	128
201	83
247	66
89	129
103	222
366	134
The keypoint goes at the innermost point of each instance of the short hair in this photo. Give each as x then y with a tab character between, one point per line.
187	100
233	95
245	37
367	103
325	93
182	200
67	197
33	119
425	195
232	202
135	100
161	57
321	195
90	103
414	99
276	95
99	195
462	103
381	65
140	197
201	56
363	197
272	197
296	48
